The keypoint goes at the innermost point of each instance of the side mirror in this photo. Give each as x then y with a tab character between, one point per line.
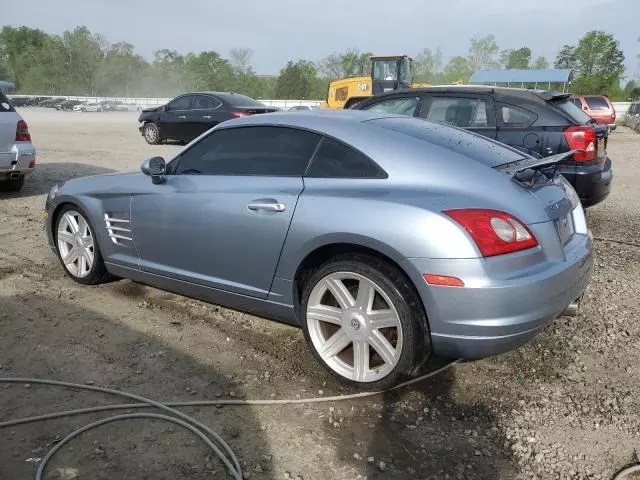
155	167
163	108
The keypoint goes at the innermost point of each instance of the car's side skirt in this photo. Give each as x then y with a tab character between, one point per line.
264	308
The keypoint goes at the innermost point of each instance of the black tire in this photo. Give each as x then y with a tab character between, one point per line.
416	345
151	133
12	185
98	272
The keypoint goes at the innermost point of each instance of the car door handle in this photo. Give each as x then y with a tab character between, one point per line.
182	116
208	117
271	206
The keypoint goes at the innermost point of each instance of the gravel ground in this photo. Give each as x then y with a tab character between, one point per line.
564	406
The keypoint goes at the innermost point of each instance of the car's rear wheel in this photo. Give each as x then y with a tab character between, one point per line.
151	133
363	320
78	248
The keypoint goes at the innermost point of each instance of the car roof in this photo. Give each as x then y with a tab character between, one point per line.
500	93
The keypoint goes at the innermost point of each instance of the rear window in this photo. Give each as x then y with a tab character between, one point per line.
236	100
574	112
597	103
477	147
5	104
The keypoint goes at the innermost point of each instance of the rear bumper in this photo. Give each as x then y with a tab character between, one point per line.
591	182
488	316
20	161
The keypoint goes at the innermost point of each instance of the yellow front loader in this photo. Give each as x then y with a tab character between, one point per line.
388	72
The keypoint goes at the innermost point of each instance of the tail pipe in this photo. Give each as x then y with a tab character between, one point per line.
573	308
14	176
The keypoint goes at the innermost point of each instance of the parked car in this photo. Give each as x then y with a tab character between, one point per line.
88	107
381	236
539	123
303	108
190	115
598	107
17	153
68	104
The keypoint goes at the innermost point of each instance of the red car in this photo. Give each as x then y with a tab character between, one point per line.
598	107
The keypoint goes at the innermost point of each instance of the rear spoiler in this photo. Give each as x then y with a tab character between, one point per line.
525	170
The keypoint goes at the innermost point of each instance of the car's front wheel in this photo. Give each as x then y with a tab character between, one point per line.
364	321
151	133
78	248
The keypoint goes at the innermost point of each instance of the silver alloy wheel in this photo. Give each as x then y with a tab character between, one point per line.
150	133
75	244
354	327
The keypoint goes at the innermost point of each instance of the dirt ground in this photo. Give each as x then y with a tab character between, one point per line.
565	406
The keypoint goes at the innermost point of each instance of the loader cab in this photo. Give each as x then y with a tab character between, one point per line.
390	73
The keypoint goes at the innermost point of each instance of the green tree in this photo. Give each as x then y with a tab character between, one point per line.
597	64
207	71
566	58
18	47
297	80
458	68
246	80
120	70
83	58
427	66
516	59
541	63
482	52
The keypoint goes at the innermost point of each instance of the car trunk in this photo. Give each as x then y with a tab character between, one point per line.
254	110
553	191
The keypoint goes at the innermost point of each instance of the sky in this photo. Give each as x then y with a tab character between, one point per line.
280	30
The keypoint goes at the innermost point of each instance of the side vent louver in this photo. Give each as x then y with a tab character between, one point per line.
118	229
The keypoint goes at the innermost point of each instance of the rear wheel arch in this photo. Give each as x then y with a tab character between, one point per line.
325	253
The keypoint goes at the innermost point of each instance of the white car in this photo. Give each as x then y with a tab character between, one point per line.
17	153
88	107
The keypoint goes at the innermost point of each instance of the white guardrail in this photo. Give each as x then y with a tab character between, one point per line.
620	107
154	101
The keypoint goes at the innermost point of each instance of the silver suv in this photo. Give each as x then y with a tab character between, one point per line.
17	153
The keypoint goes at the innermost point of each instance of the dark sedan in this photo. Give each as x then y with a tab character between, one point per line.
188	116
539	123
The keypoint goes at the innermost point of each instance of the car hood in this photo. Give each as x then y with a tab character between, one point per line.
154	109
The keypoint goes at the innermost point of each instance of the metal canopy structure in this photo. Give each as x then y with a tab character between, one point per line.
521	77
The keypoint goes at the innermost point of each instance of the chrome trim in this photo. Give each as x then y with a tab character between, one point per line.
112	230
276	207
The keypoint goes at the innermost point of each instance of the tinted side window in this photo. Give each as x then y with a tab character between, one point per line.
5	104
399	106
182	103
515	117
267	151
205	102
461	112
336	160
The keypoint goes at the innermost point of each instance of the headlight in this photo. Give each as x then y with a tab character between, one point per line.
53	192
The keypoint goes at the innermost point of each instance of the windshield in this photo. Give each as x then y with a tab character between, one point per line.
574	112
476	147
385	70
597	103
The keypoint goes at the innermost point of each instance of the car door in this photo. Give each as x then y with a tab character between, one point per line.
173	121
204	114
473	112
514	129
222	214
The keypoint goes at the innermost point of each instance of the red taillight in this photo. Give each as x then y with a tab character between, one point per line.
584	139
240	114
495	232
22	132
32	164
